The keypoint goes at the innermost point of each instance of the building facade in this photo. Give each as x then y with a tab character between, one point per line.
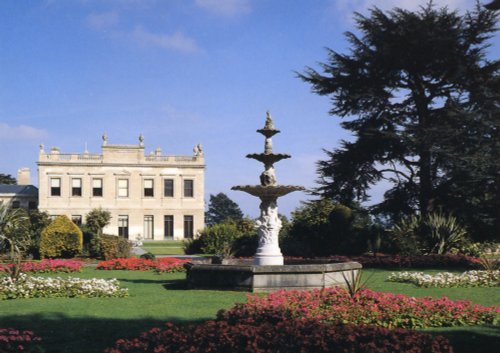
22	195
152	196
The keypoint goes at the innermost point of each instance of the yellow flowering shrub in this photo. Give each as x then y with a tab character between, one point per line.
61	238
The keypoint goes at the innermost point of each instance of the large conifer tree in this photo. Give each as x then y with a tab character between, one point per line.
421	99
221	208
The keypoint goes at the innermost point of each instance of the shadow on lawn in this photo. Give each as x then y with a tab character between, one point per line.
142	281
473	339
177	284
63	334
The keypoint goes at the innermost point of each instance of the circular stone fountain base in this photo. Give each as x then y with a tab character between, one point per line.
252	278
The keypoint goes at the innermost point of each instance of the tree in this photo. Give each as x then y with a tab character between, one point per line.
97	219
421	100
7	179
38	222
14	235
221	208
322	228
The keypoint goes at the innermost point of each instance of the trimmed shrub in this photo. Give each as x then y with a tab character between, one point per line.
112	247
148	256
323	228
227	239
192	246
291	336
246	245
61	238
218	239
90	243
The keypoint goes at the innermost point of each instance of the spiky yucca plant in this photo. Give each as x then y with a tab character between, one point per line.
444	231
14	235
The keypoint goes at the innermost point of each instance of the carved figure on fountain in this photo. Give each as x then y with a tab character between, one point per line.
269	224
268	177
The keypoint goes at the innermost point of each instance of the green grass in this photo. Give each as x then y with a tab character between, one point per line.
164	243
167	247
377	280
89	325
473	339
160	250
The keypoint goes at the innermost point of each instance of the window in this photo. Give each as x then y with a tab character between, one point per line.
122	187
169	227
77	219
16	204
148	188
76	187
32	205
97	187
188	227
55	187
168	185
123	226
188	188
148	227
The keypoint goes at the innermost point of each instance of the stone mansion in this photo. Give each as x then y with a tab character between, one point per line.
150	196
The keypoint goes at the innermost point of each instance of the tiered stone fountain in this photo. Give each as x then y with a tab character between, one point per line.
268	224
267	272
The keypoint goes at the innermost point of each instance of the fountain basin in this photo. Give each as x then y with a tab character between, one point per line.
265	279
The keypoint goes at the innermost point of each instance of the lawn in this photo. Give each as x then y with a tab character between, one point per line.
90	325
376	280
167	247
464	339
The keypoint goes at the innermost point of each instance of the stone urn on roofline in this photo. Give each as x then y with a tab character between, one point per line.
268	225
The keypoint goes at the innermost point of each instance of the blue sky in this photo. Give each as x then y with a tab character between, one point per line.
181	72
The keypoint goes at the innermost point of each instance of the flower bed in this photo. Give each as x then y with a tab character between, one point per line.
167	264
42	287
13	341
285	336
48	265
335	305
447	279
421	261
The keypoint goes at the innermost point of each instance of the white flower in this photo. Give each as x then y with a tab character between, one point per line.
29	287
447	279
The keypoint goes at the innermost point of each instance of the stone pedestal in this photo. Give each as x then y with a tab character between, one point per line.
268	229
270	259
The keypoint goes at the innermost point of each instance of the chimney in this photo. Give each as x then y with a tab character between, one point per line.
23	176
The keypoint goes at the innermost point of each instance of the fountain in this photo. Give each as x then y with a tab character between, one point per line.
268	224
268	272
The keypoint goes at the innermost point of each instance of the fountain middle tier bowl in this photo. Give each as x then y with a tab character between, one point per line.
268	158
268	192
